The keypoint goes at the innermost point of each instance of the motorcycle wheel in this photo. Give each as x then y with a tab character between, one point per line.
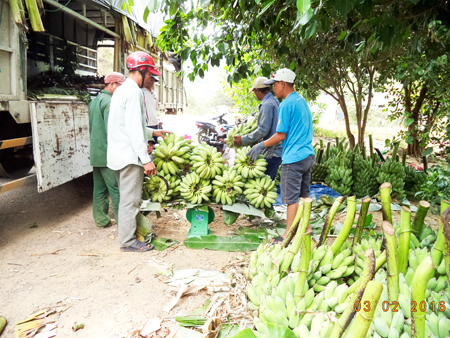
202	134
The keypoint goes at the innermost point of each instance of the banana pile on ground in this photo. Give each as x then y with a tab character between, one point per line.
246	167
413	178
261	192
242	129
365	173
171	154
340	176
352	288
320	169
195	189
206	161
392	171
227	186
156	188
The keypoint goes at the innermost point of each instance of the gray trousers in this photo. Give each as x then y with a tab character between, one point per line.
129	180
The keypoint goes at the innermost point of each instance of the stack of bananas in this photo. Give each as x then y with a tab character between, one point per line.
246	167
227	186
365	174
157	189
340	175
261	192
195	189
206	161
319	170
242	129
171	154
392	171
413	178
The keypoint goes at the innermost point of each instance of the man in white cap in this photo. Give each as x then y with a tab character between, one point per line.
267	125
105	183
295	131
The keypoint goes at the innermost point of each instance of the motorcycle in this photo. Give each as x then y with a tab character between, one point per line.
206	128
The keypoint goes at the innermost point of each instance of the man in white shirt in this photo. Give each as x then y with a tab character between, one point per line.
127	146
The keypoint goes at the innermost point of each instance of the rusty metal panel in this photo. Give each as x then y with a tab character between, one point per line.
60	141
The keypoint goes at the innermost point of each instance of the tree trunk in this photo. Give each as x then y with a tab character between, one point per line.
414	149
351	137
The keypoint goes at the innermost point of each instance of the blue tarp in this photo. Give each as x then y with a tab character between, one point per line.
316	190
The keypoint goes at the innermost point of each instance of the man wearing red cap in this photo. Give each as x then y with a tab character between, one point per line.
105	183
127	146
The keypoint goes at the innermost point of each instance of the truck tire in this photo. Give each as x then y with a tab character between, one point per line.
16	164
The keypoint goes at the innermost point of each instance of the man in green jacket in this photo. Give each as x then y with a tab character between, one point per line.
105	182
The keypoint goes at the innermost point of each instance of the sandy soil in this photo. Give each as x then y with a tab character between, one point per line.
45	243
110	293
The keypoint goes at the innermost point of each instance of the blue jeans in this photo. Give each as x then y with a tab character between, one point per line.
272	166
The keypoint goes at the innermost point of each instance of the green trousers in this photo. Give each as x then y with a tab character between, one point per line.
105	185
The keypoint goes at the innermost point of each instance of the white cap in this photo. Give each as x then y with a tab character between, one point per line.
282	74
259	83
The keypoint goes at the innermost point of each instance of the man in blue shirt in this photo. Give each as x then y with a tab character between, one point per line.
295	131
267	125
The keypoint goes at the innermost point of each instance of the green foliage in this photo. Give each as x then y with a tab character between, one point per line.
436	187
245	102
326	133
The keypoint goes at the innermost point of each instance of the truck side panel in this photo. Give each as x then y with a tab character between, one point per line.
60	141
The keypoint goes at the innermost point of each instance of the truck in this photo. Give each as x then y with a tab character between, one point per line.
49	134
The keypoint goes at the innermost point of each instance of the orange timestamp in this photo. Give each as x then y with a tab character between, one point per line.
385	306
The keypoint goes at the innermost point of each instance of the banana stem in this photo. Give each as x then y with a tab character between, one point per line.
385	190
392	265
35	17
404	158
361	220
378	264
351	211
15	9
299	292
405	237
328	150
418	222
293	249
326	228
294	226
366	277
394	152
371	144
424	272
371	296
445	217
438	248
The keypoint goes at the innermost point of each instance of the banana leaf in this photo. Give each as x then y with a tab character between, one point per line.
186	321
245	209
150	206
229	217
200	310
163	243
246	333
259	231
228	330
240	243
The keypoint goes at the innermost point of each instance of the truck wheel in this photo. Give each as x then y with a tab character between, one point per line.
16	163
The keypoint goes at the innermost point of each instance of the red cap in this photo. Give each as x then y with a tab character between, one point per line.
115	77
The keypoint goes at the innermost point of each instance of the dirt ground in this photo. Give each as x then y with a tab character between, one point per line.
51	251
110	293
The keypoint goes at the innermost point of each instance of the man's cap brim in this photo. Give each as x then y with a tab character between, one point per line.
154	71
270	82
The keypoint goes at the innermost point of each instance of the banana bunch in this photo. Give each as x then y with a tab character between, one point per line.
171	154
261	192
426	239
392	171
206	161
319	172
246	167
340	176
226	186
365	173
242	129
195	189
278	178
157	189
